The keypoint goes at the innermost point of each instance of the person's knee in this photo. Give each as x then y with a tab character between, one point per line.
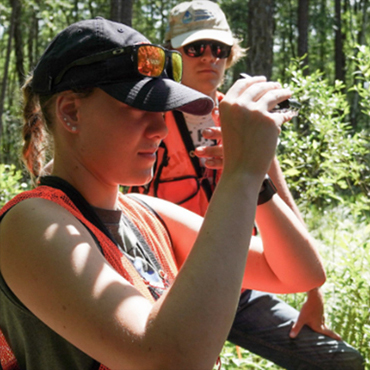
350	359
357	362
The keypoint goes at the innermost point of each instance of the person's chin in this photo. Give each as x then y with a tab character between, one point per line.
143	179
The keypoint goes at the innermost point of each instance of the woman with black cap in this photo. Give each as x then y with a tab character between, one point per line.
88	277
188	168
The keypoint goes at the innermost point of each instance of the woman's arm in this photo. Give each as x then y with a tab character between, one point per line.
264	270
286	261
289	250
277	177
312	311
54	267
52	264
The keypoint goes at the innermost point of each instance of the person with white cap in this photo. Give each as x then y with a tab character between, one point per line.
91	278
187	171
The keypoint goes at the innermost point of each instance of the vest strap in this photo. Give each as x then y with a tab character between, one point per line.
181	124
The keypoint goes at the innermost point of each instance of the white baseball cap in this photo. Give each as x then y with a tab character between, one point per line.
197	20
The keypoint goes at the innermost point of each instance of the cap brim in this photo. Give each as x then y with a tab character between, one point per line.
159	95
225	37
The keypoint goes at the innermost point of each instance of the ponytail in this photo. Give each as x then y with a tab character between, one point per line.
34	132
38	118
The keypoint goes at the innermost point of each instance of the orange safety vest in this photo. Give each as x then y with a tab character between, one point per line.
178	176
146	222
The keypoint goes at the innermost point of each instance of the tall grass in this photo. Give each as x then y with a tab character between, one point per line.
345	247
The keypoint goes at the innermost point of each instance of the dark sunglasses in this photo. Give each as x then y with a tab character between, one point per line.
197	49
149	60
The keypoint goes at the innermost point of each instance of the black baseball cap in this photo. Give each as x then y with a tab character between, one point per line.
58	69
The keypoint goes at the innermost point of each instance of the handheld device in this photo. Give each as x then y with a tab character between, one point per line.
288	104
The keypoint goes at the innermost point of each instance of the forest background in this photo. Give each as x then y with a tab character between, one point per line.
320	48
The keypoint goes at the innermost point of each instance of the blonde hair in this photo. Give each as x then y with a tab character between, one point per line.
237	53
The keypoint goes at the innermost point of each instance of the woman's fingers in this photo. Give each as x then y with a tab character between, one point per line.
243	84
247	122
273	97
209	151
213	154
265	94
214	163
258	90
250	129
212	133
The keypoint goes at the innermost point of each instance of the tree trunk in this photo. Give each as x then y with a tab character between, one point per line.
6	65
18	42
303	20
121	11
260	37
339	55
322	36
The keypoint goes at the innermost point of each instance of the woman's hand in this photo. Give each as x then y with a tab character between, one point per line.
213	154
249	129
259	96
312	315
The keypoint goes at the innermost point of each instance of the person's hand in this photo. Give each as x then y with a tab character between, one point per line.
249	128
312	315
213	154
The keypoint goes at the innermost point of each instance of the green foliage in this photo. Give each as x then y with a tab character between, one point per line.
321	44
155	13
322	158
345	249
236	12
362	61
11	183
10	141
232	359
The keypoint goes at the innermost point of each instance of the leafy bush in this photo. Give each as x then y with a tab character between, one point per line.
362	62
323	160
10	183
346	251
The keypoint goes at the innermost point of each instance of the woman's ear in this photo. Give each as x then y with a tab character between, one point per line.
67	106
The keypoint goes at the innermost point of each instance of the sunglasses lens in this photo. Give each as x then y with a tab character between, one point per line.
150	60
197	49
220	50
176	66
